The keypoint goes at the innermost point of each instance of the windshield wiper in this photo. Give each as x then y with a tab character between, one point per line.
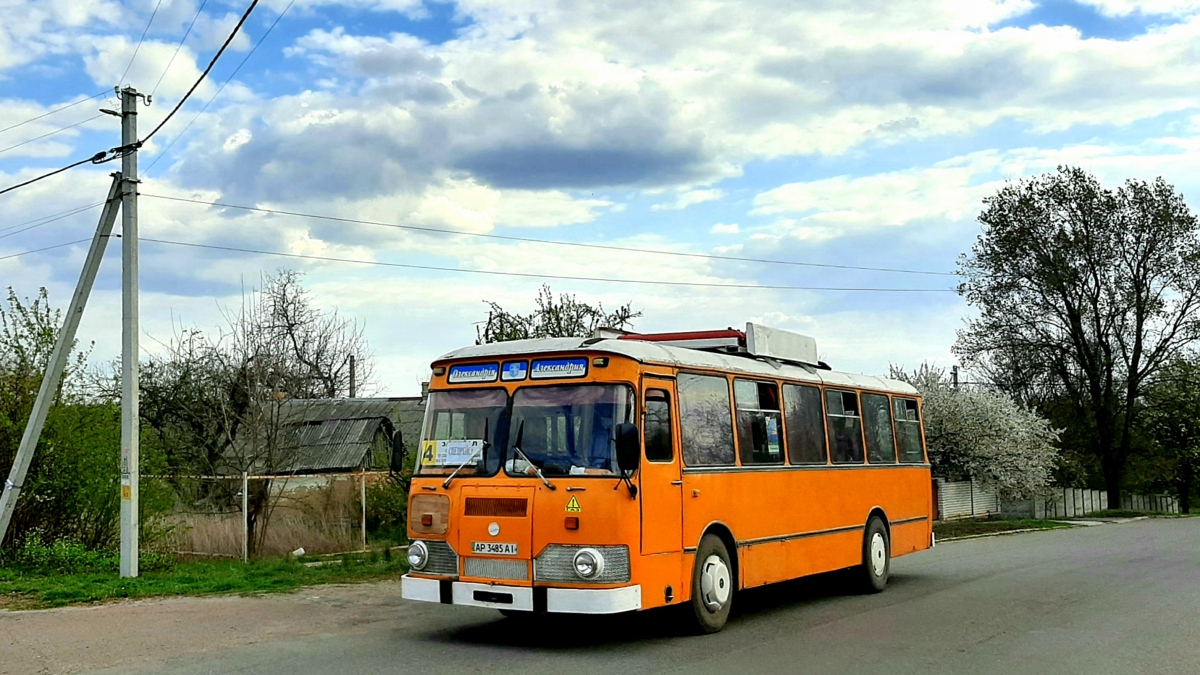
517	449
482	448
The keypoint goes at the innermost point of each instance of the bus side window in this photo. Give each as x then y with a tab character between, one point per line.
705	420
908	429
877	419
658	426
759	423
845	427
805	424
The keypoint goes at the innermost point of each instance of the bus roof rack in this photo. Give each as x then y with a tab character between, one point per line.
757	341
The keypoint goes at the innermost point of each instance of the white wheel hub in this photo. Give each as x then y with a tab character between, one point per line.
715	583
878	554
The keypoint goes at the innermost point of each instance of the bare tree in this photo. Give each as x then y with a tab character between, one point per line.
564	316
227	402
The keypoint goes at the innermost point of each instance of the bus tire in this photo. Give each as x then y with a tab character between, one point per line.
877	557
712	585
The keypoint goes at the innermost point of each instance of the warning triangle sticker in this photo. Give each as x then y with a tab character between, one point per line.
573	506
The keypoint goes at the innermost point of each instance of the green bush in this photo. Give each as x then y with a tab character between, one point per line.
387	511
64	556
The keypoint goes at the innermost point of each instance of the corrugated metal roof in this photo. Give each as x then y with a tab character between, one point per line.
325	435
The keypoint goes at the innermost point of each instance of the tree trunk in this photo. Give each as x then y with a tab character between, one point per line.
1186	477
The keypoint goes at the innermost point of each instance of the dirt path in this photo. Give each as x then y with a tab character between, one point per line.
131	633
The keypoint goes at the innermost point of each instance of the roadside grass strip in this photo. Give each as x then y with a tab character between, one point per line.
975	527
25	588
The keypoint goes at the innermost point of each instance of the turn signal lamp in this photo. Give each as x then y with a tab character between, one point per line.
427	519
572	523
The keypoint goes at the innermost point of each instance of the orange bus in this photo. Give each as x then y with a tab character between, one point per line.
627	472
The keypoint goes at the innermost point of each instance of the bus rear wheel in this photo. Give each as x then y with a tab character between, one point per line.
712	585
877	557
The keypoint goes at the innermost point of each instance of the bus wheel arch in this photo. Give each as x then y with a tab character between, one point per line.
877	512
722	532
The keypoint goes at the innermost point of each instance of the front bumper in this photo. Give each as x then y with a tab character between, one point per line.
525	598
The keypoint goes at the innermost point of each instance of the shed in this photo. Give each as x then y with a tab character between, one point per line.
344	434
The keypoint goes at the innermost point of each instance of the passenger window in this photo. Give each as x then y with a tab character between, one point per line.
705	420
658	426
845	427
759	422
908	430
877	419
805	424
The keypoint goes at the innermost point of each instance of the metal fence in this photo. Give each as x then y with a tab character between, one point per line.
969	499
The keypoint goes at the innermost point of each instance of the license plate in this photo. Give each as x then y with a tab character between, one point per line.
493	548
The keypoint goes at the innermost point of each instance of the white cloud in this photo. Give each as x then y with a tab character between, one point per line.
1127	7
725	228
690	198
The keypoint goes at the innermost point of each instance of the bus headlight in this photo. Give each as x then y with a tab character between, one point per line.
418	555
589	563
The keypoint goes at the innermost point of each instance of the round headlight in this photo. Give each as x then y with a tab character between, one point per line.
418	555
589	563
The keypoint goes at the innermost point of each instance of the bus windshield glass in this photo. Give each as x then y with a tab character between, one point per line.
462	429
567	430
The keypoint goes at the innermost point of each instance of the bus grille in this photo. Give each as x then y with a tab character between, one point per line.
491	568
497	507
443	561
557	563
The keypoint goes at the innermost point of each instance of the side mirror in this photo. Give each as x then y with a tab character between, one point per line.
629	447
398	452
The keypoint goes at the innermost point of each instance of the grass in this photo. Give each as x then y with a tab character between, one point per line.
1128	513
975	526
38	588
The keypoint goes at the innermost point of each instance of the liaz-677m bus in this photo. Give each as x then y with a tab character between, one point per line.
633	471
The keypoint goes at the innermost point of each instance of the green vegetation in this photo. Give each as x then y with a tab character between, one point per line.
1126	513
39	576
965	528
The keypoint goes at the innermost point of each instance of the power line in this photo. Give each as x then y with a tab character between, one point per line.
531	275
47	248
179	46
553	242
200	79
50	220
51	112
122	151
56	131
97	158
221	88
51	216
139	44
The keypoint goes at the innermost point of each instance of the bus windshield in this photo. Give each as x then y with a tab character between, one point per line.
567	430
462	429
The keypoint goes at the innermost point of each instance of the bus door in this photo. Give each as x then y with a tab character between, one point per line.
661	483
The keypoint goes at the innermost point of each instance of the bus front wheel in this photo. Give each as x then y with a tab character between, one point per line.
877	557
712	584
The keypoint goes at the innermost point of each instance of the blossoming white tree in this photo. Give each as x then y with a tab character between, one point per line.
985	435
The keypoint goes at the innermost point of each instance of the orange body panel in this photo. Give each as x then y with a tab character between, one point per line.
787	521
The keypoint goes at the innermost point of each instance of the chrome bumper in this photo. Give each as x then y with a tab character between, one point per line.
494	596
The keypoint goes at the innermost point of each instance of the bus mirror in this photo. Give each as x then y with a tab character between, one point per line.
398	452
629	447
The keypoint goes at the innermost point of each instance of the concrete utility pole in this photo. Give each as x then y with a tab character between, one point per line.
52	378
130	451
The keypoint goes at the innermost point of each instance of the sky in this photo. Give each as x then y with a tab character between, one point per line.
852	133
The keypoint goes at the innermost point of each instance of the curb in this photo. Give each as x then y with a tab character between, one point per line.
1005	532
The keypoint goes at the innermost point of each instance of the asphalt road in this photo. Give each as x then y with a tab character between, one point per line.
1114	599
